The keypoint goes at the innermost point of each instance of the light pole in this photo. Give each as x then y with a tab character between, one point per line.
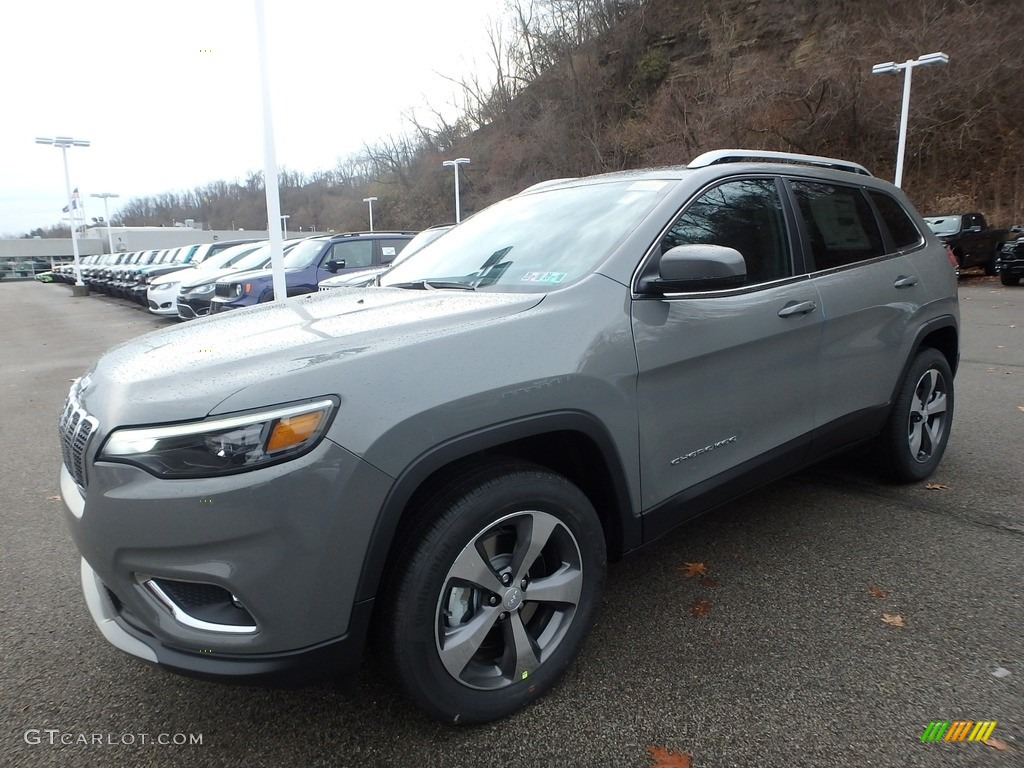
106	214
908	68
455	164
284	223
64	142
370	201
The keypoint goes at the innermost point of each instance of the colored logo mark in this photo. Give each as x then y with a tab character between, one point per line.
958	730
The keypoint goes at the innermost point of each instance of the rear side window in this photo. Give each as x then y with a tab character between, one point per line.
901	227
391	248
840	225
745	215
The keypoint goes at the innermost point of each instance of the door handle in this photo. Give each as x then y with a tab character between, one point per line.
903	281
797	308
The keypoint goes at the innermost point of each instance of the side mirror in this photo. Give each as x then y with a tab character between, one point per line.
697	267
335	264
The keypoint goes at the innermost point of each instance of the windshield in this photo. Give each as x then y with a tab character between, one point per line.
533	242
303	254
943	225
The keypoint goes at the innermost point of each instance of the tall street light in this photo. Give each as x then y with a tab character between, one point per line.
370	201
908	68
106	214
284	223
455	164
64	142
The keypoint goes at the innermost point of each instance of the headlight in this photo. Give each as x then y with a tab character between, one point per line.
222	445
164	286
201	289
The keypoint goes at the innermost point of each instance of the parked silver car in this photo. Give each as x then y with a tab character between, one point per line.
448	461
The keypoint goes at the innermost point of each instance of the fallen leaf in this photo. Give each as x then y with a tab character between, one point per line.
990	742
700	607
991	370
668	758
877	592
708	582
53	498
690	570
893	620
1020	407
936	487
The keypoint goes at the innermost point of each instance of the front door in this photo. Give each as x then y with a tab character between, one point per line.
727	378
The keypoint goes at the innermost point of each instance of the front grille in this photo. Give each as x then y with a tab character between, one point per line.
75	427
223	289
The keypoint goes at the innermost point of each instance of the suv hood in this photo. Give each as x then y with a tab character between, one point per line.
264	273
270	353
204	276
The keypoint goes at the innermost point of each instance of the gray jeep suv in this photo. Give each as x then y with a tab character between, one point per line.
439	467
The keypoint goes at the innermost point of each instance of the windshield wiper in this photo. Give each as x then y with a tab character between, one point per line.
429	285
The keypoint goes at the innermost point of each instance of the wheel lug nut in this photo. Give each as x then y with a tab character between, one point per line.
493	600
506	579
502	616
522	584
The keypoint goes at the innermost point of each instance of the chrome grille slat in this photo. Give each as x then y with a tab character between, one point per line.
75	427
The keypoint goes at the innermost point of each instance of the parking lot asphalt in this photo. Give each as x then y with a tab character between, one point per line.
792	663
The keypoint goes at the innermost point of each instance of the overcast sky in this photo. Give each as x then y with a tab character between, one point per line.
169	93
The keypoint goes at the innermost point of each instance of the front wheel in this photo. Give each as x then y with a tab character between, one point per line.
990	265
494	589
1007	279
916	434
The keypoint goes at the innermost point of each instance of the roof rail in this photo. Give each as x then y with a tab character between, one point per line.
719	156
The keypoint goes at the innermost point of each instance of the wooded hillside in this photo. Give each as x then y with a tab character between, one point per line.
585	86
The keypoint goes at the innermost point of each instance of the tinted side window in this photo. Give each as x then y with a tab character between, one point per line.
840	225
391	248
355	253
901	227
746	215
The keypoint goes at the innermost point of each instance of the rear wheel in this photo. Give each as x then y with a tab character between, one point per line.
494	589
916	434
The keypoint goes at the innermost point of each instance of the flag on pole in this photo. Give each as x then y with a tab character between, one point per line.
74	201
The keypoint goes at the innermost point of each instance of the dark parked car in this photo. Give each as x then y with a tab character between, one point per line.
313	260
1010	263
441	466
197	290
972	241
361	278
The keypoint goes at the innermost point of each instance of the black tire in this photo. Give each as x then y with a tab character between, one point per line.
990	265
458	627
1008	279
917	431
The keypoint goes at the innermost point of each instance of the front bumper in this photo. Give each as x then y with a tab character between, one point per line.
191	307
163	302
1013	267
337	658
283	546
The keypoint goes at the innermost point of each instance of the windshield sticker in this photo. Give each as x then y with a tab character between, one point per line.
543	277
387	250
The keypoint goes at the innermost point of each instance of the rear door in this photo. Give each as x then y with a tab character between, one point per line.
870	292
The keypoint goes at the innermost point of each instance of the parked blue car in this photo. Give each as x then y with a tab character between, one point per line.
309	262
